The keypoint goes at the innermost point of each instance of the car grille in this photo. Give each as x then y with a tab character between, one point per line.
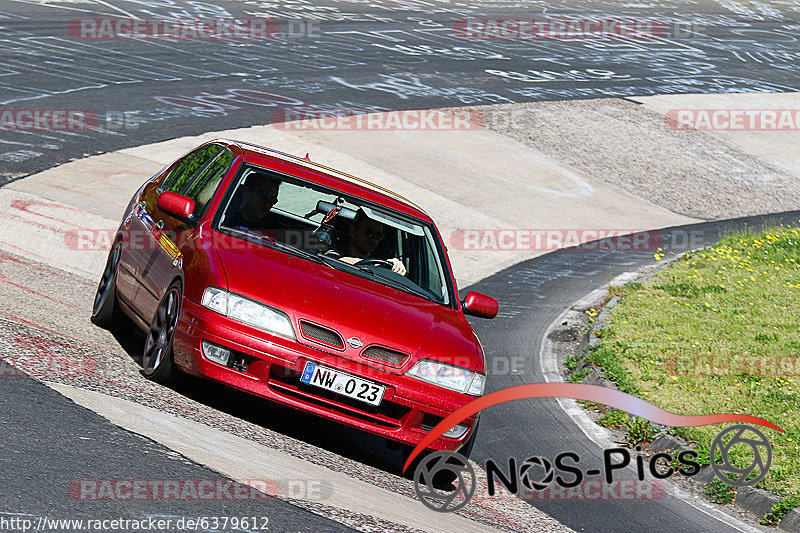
287	381
321	335
390	357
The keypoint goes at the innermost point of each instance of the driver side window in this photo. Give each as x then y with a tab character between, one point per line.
205	185
182	174
199	174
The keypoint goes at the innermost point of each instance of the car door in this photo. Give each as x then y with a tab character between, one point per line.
135	243
161	260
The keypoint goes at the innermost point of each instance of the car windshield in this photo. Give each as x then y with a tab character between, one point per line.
340	231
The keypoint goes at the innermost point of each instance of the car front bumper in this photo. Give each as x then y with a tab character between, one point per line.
407	412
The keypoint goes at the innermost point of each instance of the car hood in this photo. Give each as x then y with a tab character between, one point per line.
353	306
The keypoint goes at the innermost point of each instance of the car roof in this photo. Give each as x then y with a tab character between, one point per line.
330	177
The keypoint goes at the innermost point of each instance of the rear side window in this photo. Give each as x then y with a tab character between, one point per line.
182	174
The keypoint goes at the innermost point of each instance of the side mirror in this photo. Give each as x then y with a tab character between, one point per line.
175	204
480	305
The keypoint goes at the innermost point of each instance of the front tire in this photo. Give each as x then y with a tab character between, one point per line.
157	361
105	311
466	449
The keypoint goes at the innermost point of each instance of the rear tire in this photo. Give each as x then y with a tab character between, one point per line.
157	361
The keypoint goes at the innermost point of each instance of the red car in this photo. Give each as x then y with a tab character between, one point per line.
297	283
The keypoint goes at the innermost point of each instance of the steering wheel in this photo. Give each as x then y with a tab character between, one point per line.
376	262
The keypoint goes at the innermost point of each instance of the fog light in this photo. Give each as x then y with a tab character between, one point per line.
456	431
215	353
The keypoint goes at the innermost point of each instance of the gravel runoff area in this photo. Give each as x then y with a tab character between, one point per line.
621	142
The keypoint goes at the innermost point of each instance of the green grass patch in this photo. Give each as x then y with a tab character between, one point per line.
607	357
718	331
614	418
572	361
638	431
779	510
719	492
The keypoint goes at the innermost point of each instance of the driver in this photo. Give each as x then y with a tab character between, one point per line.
364	236
259	194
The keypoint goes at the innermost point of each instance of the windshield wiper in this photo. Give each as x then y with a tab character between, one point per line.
271	241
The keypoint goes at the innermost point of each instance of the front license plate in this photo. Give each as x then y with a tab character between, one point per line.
341	383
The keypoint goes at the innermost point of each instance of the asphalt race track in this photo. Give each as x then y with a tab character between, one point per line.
360	56
356	56
52	453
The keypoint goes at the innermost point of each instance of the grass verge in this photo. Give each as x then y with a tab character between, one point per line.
718	331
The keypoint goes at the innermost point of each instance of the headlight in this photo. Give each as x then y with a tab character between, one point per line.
215	299
248	311
478	383
259	315
448	376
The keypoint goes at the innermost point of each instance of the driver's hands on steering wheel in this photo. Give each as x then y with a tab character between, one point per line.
397	266
394	264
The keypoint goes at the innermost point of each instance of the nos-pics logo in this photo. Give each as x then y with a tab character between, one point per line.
446	481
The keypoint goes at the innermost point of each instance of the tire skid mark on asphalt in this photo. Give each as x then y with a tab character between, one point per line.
5	279
101	182
43	358
45	328
40	230
44	267
25	205
55	229
87	195
101	185
55	272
